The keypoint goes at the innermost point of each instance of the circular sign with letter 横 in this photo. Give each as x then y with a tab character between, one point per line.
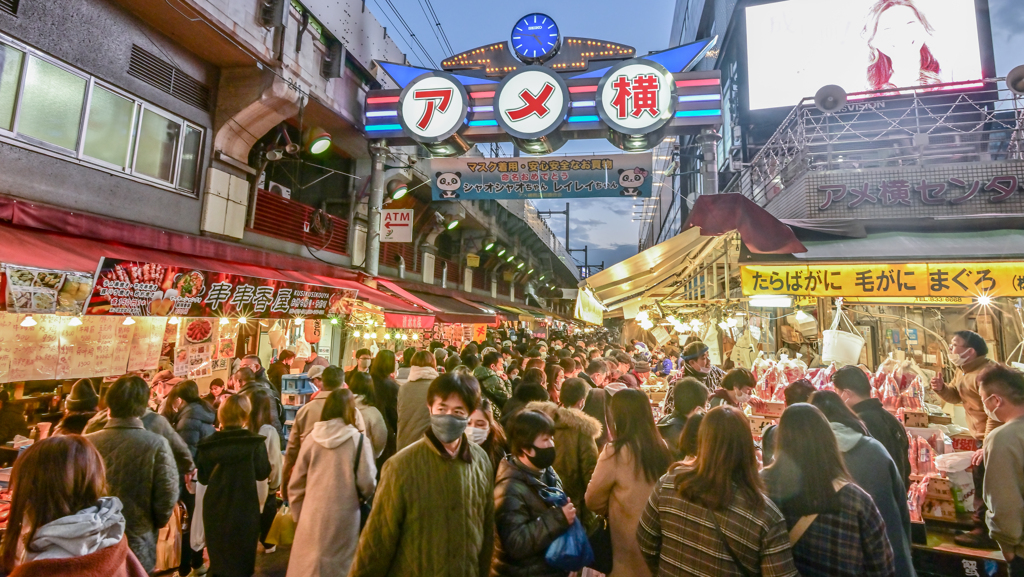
531	103
637	96
433	107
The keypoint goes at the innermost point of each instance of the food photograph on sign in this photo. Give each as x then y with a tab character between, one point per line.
795	47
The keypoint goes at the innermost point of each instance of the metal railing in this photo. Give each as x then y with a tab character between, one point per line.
525	211
888	128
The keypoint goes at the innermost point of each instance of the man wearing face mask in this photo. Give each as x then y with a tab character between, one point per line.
364	358
433	512
1002	393
854	388
737	390
527	513
967	350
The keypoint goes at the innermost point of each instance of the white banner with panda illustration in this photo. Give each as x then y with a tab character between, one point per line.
628	175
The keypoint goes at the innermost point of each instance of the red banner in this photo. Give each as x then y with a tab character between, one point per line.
157	290
404	321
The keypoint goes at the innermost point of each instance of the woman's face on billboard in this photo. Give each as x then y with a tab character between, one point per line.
900	33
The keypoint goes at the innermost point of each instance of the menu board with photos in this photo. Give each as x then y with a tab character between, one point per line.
35	290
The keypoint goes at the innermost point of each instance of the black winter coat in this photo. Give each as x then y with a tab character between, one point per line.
525	524
12	421
74	423
230	462
889	431
671	428
385	393
195	423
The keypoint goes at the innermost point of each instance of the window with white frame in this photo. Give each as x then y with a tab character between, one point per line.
47	104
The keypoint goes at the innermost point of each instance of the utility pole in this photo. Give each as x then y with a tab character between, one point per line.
373	209
566	213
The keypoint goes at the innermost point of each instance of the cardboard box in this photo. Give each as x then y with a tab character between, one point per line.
940	419
964	443
758	425
939	509
915	419
940	488
771	409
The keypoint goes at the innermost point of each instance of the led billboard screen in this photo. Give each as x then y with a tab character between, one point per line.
795	47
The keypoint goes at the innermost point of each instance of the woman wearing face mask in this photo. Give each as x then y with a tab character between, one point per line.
487	432
525	521
736	390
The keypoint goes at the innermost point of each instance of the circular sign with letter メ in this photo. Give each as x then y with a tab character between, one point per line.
531	103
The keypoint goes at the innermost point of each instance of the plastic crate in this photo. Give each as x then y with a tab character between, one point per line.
297	384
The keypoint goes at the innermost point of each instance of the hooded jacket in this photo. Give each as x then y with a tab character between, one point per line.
141	473
230	462
495	389
376	428
413	414
327	516
575	452
874	471
89	543
525	524
302	425
195	423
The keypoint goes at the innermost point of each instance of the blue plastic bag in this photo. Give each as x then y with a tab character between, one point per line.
571	550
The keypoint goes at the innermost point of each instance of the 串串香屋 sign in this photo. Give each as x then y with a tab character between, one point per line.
615	175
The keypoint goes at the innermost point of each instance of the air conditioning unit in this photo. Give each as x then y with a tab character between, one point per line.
280	190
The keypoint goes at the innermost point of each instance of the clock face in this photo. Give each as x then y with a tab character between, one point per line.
535	38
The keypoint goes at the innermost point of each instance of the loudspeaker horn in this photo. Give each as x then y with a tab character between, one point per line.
830	99
1015	80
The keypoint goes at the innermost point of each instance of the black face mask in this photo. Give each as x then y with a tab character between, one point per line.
543	458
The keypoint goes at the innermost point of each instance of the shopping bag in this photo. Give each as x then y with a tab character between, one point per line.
197	533
168	542
571	550
282	531
601	545
843	347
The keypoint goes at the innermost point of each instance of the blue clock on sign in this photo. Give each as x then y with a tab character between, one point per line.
535	38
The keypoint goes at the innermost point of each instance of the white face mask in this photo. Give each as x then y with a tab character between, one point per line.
991	413
477	435
743	398
962	359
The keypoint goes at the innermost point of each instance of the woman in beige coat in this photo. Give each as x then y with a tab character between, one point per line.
327	516
626	473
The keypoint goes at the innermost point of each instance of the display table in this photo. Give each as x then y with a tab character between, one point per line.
942	557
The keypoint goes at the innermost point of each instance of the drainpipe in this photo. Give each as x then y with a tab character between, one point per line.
373	213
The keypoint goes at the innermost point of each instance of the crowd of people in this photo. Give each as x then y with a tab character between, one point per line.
474	461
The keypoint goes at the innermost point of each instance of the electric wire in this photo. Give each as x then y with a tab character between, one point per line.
408	29
437	21
437	36
398	34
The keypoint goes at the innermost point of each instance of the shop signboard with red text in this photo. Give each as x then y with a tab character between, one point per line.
154	289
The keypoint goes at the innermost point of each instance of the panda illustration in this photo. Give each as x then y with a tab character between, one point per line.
631	181
449	183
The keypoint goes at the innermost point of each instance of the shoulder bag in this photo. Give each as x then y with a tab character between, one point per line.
739	565
364	503
804	522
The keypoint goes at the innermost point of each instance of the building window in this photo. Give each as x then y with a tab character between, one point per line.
48	104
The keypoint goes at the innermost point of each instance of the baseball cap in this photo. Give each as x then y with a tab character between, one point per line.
315	372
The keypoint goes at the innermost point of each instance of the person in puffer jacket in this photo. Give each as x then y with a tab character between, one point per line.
195	420
526	524
61	523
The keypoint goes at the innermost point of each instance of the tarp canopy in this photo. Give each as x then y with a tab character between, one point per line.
451	310
51	250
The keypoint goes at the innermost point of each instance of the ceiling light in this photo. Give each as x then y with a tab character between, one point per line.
771	301
75	322
502	251
452	224
415	337
242	320
397	189
174	321
387	336
510	258
541	277
128	321
529	271
334	321
29	321
984	300
356	334
224	320
521	265
489	243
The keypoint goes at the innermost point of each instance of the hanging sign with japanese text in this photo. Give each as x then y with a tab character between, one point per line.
637	97
610	175
396	225
158	290
433	107
933	281
532	102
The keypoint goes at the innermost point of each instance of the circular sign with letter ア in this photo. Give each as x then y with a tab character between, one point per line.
637	96
433	107
531	103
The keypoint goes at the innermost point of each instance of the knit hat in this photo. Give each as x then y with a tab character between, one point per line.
83	397
642	367
315	372
694	350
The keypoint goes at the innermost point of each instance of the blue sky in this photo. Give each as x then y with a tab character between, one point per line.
603	223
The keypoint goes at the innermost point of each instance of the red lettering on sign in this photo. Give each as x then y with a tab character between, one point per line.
642	92
439	99
533	104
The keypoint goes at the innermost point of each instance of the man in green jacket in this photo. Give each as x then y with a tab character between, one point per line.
494	388
433	512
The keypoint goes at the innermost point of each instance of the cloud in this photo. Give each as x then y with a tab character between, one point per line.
1007	18
610	255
